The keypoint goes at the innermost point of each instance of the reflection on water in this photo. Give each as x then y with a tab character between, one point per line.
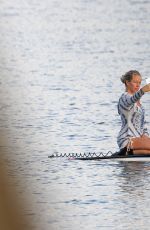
135	176
60	65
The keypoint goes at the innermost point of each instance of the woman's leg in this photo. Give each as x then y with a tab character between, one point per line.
141	145
143	152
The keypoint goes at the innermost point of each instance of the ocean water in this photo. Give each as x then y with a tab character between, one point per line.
60	68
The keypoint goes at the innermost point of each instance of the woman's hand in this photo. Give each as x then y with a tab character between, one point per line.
146	88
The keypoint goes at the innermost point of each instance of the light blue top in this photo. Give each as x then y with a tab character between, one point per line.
132	118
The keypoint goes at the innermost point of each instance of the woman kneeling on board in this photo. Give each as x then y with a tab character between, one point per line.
133	137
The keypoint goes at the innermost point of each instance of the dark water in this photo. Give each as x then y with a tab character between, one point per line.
60	66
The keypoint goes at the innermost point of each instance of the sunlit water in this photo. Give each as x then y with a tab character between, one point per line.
60	68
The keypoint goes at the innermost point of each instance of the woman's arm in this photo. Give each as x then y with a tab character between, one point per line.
127	101
146	88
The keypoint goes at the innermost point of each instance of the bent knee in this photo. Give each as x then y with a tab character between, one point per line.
141	143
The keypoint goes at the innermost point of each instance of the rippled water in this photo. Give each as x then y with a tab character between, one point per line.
60	66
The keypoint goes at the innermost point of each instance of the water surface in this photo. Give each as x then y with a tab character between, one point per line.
60	65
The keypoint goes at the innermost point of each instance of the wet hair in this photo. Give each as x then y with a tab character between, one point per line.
128	75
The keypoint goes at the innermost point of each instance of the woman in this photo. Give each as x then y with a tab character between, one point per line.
133	137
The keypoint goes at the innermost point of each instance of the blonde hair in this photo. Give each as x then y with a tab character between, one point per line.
128	76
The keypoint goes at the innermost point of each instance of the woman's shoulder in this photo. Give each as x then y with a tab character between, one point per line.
125	94
124	98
